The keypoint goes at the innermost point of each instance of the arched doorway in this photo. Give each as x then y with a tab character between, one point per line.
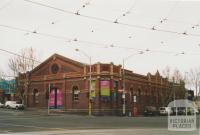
55	98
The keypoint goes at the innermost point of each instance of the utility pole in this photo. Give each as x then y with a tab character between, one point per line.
173	89
49	89
124	87
90	82
123	95
90	98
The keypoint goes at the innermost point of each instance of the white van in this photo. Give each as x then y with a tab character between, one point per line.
13	105
165	110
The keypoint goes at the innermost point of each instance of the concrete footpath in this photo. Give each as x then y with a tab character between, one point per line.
108	132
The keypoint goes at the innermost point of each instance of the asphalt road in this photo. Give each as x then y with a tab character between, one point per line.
23	122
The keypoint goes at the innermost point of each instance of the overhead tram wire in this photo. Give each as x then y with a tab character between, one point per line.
3	50
109	21
166	18
67	39
155	18
60	20
127	11
170	12
84	5
94	44
33	32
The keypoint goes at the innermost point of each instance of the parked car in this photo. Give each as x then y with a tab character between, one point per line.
1	105
150	111
14	105
165	110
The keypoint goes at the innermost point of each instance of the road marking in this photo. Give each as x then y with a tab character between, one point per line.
17	125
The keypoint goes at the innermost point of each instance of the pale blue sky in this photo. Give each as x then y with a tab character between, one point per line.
165	47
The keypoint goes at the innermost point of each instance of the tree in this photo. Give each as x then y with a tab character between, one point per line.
23	62
166	72
177	76
1	75
194	77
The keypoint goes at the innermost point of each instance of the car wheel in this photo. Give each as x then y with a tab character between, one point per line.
17	107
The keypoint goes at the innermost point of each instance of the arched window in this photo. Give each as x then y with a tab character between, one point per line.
35	96
75	93
132	94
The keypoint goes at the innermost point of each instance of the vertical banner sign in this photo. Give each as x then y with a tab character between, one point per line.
93	87
52	99
115	86
105	88
55	99
59	98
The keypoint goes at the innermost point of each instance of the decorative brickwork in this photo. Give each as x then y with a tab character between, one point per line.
69	81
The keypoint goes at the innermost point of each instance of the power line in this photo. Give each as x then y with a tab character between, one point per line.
87	3
110	21
93	44
128	11
165	19
33	32
18	55
84	5
53	36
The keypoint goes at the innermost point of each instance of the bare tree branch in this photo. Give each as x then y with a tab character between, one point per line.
20	64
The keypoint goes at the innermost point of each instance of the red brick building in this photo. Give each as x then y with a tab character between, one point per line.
68	81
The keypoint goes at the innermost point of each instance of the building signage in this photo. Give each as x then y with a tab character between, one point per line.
93	87
183	117
105	88
59	98
52	99
182	123
55	98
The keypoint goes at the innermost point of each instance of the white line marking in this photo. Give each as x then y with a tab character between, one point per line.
17	125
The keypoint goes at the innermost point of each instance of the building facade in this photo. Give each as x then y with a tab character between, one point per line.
7	90
63	84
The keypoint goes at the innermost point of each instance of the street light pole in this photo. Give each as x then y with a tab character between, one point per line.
90	103
90	82
49	89
123	94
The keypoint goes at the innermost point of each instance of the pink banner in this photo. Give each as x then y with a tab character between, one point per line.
59	97
105	83
52	98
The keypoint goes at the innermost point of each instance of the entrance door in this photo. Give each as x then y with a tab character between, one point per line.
55	98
